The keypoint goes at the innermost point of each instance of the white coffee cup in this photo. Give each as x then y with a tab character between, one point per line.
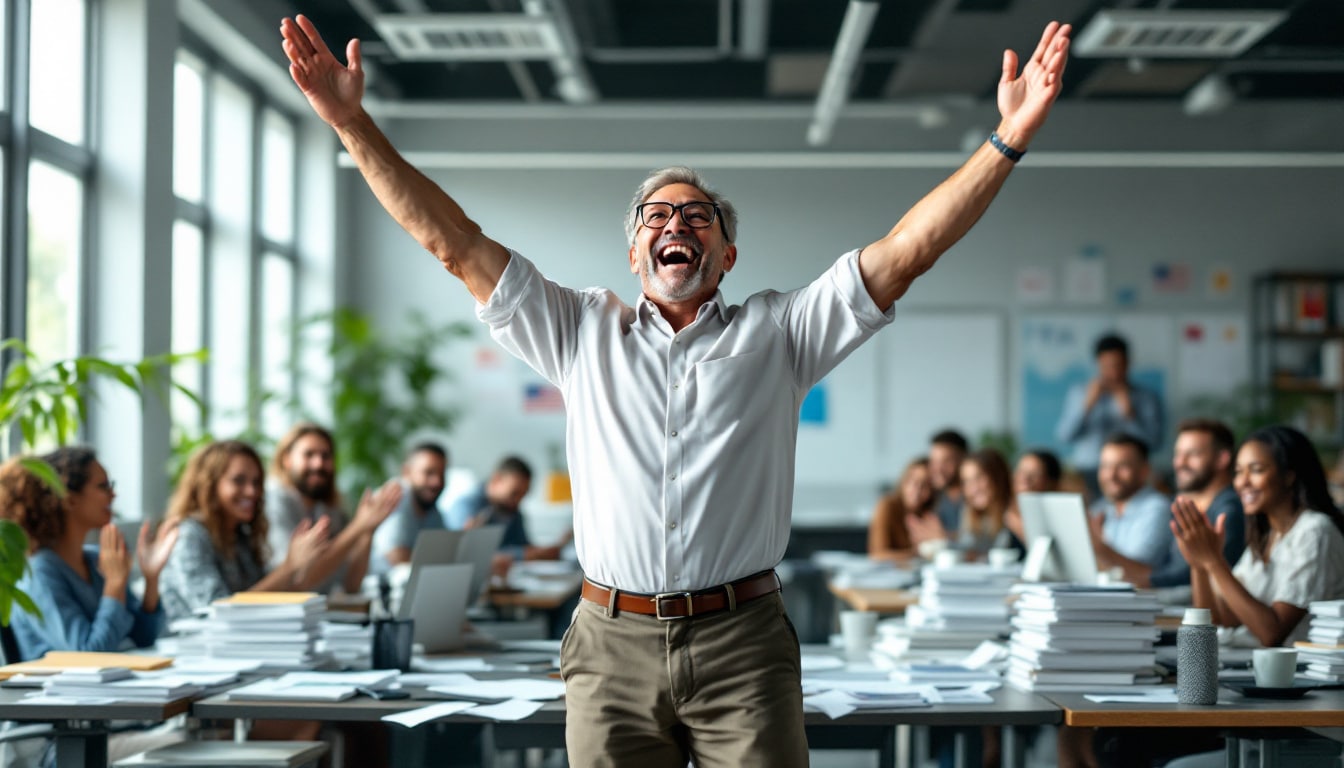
947	558
1274	667
1002	558
857	629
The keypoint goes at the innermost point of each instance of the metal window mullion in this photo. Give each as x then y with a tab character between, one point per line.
15	320
256	243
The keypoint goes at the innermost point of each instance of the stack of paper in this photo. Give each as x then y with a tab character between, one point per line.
279	628
1323	650
151	688
959	607
351	645
1070	637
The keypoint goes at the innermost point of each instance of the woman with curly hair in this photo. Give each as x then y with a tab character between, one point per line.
219	510
894	532
82	593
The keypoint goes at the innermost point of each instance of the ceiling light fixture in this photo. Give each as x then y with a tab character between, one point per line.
834	93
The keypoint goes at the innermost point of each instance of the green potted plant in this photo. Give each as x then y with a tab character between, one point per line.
383	390
46	403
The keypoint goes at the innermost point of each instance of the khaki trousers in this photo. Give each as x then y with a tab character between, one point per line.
719	690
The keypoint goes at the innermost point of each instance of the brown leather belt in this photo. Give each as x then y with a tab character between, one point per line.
679	605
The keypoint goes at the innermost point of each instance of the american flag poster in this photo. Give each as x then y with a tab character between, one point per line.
1171	278
542	398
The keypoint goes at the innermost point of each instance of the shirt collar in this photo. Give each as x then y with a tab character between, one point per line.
646	310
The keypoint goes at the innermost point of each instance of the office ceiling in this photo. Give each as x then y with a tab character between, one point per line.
1201	53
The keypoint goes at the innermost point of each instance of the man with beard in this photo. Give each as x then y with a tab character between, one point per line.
1202	462
681	419
422	483
947	449
1131	524
303	490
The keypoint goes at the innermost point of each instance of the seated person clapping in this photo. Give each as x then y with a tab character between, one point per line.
219	510
82	593
1037	471
1131	523
898	520
1295	541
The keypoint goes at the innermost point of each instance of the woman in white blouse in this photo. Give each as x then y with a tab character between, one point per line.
1295	541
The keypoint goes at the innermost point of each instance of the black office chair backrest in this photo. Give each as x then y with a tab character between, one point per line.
9	646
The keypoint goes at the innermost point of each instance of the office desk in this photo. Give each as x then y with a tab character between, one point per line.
865	729
81	729
1240	717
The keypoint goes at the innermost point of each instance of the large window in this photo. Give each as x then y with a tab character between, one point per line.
233	176
55	232
56	102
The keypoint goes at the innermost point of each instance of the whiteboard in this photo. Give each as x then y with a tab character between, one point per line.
940	370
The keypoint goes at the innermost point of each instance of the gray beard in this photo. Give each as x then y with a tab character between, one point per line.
681	290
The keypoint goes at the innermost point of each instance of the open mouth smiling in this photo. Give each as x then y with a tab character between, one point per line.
677	254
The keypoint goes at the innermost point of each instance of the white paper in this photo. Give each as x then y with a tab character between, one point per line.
190	664
835	704
374	678
985	653
813	663
1160	696
413	717
518	688
436	678
513	709
454	664
68	700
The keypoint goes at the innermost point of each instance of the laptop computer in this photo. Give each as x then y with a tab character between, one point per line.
436	599
478	547
1059	545
436	547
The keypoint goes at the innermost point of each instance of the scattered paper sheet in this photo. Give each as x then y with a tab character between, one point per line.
436	678
513	709
1159	696
67	700
455	664
413	717
819	663
519	688
985	653
835	704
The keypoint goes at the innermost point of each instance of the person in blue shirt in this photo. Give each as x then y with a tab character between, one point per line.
1131	524
1108	404
81	592
422	482
496	502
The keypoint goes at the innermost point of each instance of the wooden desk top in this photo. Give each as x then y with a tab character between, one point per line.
880	600
1318	709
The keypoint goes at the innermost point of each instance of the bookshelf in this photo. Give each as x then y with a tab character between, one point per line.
1298	351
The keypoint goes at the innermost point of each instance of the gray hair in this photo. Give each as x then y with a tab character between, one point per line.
679	174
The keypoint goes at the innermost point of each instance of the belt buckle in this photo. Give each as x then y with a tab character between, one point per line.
661	596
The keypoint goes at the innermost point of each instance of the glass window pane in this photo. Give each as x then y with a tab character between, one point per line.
277	340
56	61
188	331
277	191
55	230
188	127
4	54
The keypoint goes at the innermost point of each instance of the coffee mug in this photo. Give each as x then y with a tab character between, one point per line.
1274	667
857	629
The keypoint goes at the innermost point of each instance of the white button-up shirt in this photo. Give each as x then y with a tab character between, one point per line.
681	445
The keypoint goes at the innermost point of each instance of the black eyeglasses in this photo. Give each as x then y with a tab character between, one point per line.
695	214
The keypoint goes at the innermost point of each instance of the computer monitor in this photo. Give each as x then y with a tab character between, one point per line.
436	599
1059	544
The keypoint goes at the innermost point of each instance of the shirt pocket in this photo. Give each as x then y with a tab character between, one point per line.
734	392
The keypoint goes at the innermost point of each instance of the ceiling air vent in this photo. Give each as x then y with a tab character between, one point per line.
469	36
1174	34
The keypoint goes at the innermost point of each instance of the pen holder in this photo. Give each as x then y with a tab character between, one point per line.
392	640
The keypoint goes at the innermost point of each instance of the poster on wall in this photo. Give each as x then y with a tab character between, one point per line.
1213	354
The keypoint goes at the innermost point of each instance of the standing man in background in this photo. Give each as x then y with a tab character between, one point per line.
681	419
1108	404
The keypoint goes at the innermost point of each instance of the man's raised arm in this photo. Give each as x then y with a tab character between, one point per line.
943	216
419	205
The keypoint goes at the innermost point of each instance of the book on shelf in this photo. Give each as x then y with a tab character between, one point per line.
1309	306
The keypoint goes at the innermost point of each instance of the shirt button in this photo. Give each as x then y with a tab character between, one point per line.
676	386
673	526
672	476
674	433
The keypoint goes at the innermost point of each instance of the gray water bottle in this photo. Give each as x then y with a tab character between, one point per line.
1197	658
